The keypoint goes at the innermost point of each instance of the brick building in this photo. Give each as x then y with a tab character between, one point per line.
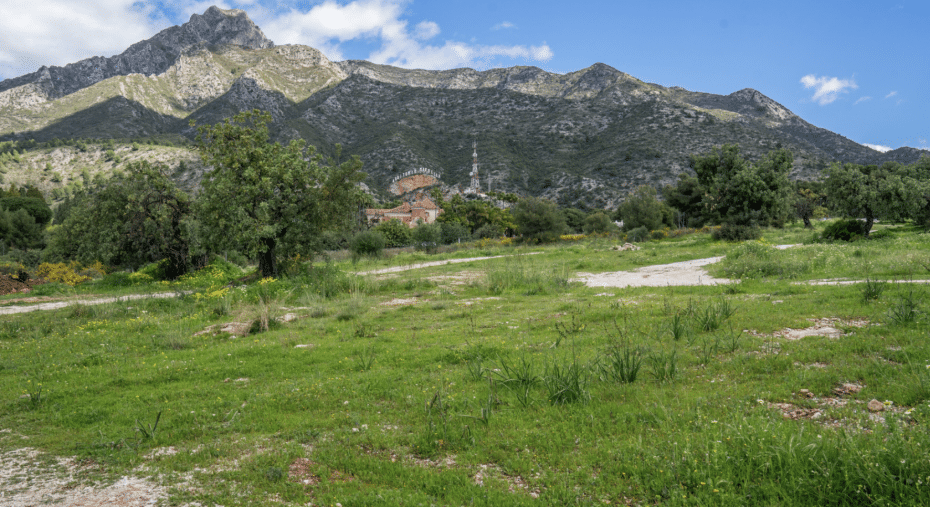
409	212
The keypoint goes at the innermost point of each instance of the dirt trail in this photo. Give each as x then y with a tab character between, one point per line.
397	269
9	310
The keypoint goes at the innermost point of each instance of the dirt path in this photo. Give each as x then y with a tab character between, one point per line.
9	310
662	275
397	269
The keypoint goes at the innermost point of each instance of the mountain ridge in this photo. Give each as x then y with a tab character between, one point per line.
583	138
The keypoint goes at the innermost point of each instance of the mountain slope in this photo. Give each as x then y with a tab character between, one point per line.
585	138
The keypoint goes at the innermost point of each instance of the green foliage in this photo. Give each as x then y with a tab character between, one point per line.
745	194
489	231
888	192
638	235
427	237
452	232
737	232
130	220
367	243
643	209
845	230
35	207
474	214
575	219
394	232
598	223
539	220
271	201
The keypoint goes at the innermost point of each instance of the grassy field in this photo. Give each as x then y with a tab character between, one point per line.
500	382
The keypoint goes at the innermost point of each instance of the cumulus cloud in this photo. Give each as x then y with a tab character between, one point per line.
328	25
892	94
57	32
827	89
505	24
878	147
862	99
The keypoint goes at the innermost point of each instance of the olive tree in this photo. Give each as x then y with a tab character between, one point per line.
871	192
270	201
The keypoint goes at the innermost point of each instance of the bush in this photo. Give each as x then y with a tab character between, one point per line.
119	279
61	272
731	232
452	232
369	243
637	235
599	223
489	231
394	232
426	237
845	230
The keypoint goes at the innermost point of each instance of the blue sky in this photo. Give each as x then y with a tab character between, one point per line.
858	68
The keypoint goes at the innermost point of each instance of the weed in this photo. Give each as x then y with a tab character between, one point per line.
708	350
713	315
621	364
664	366
366	357
905	309
678	327
474	368
567	331
364	330
274	474
872	289
732	339
148	431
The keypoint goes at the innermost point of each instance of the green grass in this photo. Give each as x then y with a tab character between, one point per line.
516	374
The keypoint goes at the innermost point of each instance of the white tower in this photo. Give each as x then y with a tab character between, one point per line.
475	185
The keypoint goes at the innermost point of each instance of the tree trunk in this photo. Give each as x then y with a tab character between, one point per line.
869	220
266	260
807	223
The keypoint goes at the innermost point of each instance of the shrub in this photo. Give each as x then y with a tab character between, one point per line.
427	237
395	233
845	230
637	235
452	232
489	231
369	243
61	272
732	232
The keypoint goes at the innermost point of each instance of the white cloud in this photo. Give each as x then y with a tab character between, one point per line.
58	32
878	147
328	25
505	24
892	94
862	99
426	30
827	89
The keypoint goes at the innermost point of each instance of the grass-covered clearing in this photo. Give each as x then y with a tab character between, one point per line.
499	382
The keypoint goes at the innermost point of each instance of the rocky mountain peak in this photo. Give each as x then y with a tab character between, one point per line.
149	57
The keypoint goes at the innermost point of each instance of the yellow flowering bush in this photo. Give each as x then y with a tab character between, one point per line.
572	237
61	272
11	268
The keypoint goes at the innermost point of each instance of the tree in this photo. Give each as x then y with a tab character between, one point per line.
599	223
394	232
271	201
743	194
130	220
427	236
539	220
643	209
575	219
807	199
686	197
37	208
871	192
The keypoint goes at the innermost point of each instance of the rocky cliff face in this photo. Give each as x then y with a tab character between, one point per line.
149	57
585	138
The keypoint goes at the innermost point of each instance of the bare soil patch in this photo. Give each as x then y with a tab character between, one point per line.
662	275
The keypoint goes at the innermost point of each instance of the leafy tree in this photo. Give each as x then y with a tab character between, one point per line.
599	222
643	209
23	232
574	218
539	220
474	214
271	201
871	192
395	233
808	198
452	232
130	220
686	197
745	194
37	208
369	243
427	237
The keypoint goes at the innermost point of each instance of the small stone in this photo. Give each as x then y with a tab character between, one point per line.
876	406
227	379
806	393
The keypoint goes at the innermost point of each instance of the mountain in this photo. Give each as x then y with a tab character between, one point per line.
584	138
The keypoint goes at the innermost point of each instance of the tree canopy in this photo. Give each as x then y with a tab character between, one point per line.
270	201
869	191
